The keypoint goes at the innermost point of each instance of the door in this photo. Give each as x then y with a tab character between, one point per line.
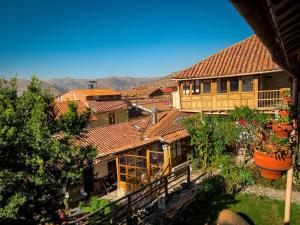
111	118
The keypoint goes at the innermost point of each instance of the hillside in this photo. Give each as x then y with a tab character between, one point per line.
22	84
116	83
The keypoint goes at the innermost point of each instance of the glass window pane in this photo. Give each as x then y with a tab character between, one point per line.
222	85
234	84
122	160
186	87
122	169
178	148
141	162
196	87
130	161
206	87
141	152
247	84
131	171
123	178
156	158
173	153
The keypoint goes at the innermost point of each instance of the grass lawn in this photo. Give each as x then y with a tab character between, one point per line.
260	210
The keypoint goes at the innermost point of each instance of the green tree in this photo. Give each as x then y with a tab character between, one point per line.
38	152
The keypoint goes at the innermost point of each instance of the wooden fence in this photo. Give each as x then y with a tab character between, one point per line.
123	208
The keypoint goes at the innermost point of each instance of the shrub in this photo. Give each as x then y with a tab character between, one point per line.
96	203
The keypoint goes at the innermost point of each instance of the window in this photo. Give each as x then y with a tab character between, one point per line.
234	84
196	87
186	87
222	85
206	86
247	84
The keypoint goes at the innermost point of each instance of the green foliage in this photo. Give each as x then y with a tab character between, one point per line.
283	106
283	120
37	156
210	135
236	177
280	141
249	115
73	122
95	204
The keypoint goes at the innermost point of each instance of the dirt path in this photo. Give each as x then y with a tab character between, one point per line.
271	193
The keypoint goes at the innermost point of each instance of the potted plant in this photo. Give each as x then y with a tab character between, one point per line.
273	157
282	127
283	109
287	97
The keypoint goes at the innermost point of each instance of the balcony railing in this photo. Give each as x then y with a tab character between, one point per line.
271	98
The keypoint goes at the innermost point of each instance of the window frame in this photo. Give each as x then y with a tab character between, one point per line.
195	90
204	83
230	81
186	87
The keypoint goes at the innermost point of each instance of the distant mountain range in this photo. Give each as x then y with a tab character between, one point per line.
58	86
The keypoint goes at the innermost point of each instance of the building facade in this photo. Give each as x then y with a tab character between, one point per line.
242	74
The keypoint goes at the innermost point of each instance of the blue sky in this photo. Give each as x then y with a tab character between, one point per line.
95	38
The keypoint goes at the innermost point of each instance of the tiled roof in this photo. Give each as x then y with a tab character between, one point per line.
97	92
123	136
161	105
139	92
105	106
62	107
245	57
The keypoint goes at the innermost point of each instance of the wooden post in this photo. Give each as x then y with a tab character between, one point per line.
188	176
118	172
148	163
129	211
255	91
288	196
166	186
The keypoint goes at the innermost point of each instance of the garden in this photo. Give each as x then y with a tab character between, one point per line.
245	147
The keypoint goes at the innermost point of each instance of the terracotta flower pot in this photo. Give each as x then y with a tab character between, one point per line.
284	113
271	167
282	130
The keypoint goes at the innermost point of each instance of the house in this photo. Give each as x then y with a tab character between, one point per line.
242	74
136	152
106	105
144	93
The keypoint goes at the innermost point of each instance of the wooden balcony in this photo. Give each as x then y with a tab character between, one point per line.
215	102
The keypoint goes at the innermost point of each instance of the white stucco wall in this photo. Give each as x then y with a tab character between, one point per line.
101	170
175	98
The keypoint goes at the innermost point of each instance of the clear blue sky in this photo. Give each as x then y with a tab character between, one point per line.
96	38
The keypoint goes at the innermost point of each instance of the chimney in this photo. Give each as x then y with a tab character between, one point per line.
154	115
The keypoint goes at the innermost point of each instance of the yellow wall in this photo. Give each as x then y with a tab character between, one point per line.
102	118
274	81
215	101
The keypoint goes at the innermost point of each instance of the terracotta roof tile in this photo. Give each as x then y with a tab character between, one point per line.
247	56
97	92
105	106
111	139
62	107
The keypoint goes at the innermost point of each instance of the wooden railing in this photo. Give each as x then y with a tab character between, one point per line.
123	208
271	98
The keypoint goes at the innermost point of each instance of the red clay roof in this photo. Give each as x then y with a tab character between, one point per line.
123	136
243	58
62	107
105	106
97	92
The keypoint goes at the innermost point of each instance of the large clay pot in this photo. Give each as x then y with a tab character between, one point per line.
282	130
271	167
284	113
